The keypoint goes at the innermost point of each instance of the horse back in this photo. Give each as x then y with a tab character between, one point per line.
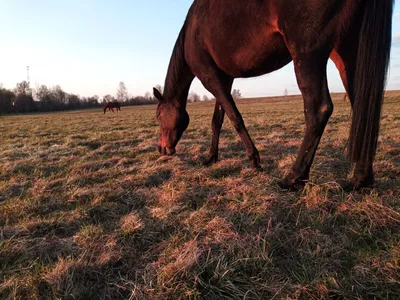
254	37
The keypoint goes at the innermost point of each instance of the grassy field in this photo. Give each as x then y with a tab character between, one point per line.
89	210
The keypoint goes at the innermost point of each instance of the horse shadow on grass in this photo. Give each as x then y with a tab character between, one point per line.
336	238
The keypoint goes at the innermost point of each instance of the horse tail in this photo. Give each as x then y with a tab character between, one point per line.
372	63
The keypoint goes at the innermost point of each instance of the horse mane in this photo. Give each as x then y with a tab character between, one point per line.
175	65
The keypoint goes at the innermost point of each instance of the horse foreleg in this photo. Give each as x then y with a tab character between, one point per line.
216	124
220	86
311	76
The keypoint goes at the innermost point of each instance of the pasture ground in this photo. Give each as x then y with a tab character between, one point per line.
89	210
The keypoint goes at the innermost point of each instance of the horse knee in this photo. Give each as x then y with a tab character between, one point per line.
317	119
325	111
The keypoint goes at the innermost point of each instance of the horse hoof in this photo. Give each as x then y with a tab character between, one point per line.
212	159
357	184
256	165
348	187
292	185
255	162
366	182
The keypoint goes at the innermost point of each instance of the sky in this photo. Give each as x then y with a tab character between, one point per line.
89	46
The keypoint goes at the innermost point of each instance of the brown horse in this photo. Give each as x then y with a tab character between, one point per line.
111	105
226	39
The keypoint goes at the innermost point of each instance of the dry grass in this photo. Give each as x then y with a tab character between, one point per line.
88	209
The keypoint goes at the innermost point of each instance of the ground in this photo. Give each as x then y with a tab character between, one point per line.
89	210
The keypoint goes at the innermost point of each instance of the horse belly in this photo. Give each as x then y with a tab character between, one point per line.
257	55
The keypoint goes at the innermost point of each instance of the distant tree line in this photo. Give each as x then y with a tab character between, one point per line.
24	99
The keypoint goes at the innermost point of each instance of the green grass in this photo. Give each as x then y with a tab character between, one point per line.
89	210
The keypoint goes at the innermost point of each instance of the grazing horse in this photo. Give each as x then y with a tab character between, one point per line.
111	105
226	39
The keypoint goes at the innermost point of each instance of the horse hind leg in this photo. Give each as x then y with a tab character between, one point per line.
310	69
345	58
343	69
216	125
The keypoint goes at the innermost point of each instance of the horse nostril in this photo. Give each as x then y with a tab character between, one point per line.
164	151
159	148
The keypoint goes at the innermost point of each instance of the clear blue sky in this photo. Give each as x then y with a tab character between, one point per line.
88	47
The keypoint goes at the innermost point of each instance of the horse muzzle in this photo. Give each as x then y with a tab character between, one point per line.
166	150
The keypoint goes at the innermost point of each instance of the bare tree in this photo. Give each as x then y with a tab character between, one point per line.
6	101
160	88
23	102
59	95
205	98
285	93
193	97
93	101
122	92
73	101
43	95
148	96
107	98
236	94
22	88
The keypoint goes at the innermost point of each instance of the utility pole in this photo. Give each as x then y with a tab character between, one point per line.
27	73
28	80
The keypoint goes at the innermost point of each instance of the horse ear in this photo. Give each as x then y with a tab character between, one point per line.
158	95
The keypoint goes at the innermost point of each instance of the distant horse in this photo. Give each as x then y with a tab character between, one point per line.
111	105
226	39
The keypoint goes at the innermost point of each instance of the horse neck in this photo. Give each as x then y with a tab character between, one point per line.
179	76
178	94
